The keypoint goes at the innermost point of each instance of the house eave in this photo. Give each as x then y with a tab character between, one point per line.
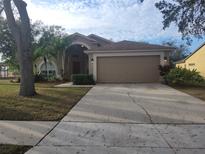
180	62
127	51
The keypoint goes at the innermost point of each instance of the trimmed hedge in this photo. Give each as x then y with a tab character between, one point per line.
183	76
83	79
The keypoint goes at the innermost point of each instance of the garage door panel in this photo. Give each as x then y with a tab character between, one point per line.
128	69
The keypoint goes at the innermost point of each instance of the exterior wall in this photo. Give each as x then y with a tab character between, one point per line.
167	55
93	64
90	63
196	61
182	65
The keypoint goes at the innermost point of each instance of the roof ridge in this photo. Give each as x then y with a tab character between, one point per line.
84	36
133	42
145	43
100	37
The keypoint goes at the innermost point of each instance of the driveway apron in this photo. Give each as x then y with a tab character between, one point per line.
129	119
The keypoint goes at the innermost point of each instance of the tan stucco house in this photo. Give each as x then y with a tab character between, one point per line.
108	61
195	61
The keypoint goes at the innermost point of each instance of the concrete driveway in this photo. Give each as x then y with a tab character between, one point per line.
130	119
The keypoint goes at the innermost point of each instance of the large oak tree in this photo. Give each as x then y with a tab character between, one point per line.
21	32
188	15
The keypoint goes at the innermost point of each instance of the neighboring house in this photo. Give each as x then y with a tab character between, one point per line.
4	71
195	61
108	61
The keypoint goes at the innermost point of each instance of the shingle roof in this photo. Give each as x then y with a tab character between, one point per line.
98	44
77	37
92	40
130	45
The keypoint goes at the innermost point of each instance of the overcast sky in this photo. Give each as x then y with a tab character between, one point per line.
112	19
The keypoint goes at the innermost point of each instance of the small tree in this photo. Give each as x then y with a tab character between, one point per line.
7	43
181	50
52	42
21	32
1	6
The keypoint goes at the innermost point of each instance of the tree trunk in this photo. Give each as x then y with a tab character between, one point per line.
22	35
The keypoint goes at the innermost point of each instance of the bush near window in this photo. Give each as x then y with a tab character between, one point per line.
83	79
39	78
42	77
183	76
164	70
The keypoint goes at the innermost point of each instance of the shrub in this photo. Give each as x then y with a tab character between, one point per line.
183	76
39	78
82	79
164	70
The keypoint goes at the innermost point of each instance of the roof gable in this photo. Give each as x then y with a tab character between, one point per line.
77	36
92	40
182	61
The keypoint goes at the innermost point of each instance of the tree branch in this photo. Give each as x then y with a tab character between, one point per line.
10	19
21	6
1	10
25	21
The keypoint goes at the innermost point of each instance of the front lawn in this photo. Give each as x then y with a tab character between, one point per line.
196	91
51	104
13	149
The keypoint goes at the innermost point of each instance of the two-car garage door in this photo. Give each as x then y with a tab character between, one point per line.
128	69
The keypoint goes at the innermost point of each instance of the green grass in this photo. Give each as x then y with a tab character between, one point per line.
50	104
13	149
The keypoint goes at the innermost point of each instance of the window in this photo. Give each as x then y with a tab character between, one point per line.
50	69
191	64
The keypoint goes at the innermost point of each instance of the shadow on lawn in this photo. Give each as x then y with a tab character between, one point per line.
13	149
12	114
47	105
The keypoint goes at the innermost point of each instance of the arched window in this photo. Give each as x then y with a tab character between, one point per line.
50	68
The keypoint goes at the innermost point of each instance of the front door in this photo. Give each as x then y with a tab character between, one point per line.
76	68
